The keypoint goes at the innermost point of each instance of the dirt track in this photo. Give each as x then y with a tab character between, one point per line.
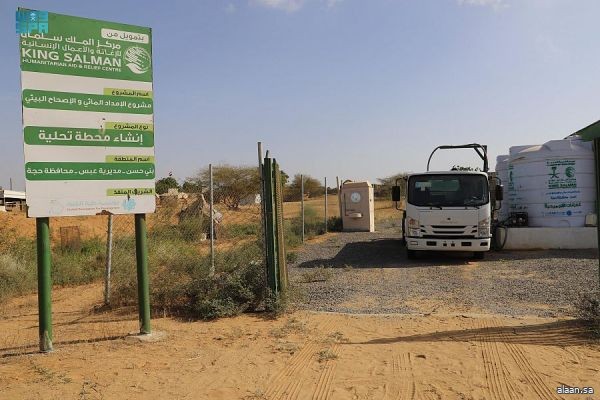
302	356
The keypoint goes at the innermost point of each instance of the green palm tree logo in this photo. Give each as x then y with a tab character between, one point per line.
138	59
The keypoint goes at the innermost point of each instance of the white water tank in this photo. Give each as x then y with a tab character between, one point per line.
510	186
553	183
502	174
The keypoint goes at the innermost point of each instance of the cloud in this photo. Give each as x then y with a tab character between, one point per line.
495	4
230	8
285	5
293	5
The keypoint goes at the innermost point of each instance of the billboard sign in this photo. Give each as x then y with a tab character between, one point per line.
88	115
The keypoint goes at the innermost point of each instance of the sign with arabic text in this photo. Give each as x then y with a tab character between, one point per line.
88	115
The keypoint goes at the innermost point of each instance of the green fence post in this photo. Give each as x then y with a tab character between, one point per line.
270	226
141	254
44	263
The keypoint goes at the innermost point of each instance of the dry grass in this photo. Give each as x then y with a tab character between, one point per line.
384	209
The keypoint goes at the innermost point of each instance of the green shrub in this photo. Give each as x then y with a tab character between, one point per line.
180	283
291	256
334	224
240	230
292	235
313	224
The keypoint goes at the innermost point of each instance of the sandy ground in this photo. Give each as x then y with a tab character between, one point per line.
304	355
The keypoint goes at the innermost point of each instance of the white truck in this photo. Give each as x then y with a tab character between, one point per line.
448	210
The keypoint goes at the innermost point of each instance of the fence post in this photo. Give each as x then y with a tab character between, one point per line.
44	262
261	175
302	203
212	221
325	204
141	255
270	227
337	185
109	244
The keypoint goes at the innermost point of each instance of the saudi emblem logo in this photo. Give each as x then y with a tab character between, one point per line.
570	172
138	59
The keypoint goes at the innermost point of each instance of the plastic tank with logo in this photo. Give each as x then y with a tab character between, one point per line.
510	186
553	183
502	174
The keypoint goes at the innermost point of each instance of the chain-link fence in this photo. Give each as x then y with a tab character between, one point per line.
190	269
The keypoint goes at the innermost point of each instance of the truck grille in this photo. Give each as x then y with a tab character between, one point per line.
449	231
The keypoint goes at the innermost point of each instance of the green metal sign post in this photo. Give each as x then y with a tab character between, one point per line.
86	84
141	254
44	261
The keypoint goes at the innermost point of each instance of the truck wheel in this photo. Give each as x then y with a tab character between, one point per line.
479	255
411	254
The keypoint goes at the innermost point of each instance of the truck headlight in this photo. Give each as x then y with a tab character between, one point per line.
413	227
483	227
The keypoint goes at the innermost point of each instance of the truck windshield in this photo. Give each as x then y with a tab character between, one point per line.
452	190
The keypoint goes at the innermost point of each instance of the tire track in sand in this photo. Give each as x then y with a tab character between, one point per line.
402	370
529	372
323	389
287	383
496	373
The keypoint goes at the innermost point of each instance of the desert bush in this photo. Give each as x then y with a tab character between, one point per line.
588	310
334	224
313	224
291	256
180	283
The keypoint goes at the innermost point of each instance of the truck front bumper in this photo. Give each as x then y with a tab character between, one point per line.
458	244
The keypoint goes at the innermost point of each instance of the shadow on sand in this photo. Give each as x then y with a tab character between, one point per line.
559	333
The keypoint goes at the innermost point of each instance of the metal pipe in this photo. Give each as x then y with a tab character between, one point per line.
141	255
212	222
44	264
302	203
109	245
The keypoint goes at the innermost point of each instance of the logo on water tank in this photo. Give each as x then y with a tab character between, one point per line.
570	172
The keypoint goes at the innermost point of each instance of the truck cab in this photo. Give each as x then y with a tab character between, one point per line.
448	210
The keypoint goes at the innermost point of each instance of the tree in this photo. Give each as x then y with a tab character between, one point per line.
384	188
284	177
192	185
164	184
231	184
312	188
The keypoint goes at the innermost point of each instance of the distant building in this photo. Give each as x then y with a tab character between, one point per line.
11	200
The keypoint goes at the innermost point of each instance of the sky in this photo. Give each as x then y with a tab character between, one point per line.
350	88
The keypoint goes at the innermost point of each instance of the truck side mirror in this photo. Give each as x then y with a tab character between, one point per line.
499	193
395	193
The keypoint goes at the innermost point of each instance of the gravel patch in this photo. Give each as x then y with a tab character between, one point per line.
369	273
